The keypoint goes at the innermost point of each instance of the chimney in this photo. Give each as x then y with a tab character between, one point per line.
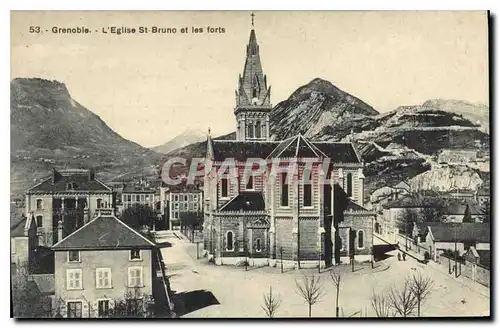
59	231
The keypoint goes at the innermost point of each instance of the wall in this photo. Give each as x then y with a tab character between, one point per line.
117	260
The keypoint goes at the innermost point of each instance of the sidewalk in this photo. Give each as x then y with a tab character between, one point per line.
464	281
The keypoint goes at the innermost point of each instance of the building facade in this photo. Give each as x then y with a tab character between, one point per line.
72	196
103	263
274	214
178	200
140	193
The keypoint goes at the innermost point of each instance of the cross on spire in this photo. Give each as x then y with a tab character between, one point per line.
253	15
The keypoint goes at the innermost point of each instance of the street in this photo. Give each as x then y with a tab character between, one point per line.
203	290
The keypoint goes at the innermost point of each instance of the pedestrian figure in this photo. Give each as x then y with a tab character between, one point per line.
399	256
404	256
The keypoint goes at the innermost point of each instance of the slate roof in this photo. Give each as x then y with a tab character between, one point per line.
484	257
445	232
297	146
246	201
44	282
354	207
339	152
83	180
17	229
137	189
104	232
241	150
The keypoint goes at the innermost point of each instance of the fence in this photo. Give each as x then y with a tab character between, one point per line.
475	272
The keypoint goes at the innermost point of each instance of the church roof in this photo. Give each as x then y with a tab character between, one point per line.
69	180
297	146
104	232
241	150
339	152
245	201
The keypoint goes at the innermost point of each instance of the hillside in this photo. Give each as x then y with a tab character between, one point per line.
320	108
49	128
186	138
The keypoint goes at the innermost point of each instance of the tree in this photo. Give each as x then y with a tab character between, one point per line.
309	288
408	218
467	215
271	303
336	278
23	300
421	287
191	220
402	299
133	305
485	212
380	303
139	215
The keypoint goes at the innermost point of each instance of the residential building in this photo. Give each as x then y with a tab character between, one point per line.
102	263
72	196
483	194
179	199
459	236
23	242
269	216
138	193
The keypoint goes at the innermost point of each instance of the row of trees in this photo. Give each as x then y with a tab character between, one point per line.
403	300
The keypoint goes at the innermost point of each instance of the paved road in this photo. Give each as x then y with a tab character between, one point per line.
239	293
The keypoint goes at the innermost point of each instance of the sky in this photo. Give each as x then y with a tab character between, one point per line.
151	87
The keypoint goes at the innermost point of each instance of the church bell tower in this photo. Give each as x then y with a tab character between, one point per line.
253	97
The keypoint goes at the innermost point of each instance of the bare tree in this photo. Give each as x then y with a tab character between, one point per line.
336	278
402	299
421	287
310	290
381	305
271	303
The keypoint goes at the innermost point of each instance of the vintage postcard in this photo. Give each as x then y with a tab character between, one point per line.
239	164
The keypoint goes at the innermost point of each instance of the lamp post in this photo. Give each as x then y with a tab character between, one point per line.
455	235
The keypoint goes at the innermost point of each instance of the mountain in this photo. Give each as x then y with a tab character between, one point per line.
188	137
49	128
317	109
476	113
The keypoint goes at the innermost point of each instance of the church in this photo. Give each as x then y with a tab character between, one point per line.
308	216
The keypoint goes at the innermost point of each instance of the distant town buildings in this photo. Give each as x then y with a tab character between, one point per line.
456	156
178	199
139	193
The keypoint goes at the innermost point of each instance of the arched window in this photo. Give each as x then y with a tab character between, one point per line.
229	241
250	130
249	185
224	187
39	204
349	184
257	245
99	202
39	221
257	130
361	239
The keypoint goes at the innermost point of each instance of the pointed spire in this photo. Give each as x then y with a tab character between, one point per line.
253	15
